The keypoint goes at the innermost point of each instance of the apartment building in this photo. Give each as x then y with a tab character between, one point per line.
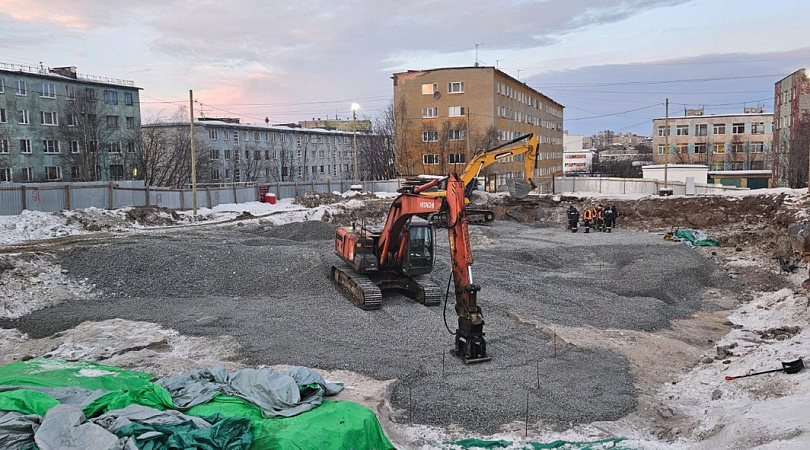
791	131
612	139
444	115
230	151
363	126
735	147
57	124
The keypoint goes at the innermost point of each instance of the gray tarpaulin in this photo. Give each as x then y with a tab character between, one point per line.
277	394
17	430
65	428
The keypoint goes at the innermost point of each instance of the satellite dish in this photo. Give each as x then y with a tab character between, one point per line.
437	94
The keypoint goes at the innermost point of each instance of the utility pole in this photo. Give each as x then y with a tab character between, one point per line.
193	156
666	143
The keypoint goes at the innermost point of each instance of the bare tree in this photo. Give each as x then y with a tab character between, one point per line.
5	153
86	129
163	157
376	152
798	146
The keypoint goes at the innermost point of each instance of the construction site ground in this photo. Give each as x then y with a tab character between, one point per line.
587	332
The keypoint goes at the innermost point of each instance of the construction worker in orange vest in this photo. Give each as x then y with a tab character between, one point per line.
600	217
587	217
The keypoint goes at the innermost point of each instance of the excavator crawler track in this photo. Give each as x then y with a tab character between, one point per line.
429	294
360	289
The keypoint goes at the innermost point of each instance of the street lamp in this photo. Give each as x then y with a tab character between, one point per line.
355	107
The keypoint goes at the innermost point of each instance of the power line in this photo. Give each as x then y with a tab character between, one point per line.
645	83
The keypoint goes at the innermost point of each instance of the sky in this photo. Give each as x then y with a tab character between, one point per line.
611	63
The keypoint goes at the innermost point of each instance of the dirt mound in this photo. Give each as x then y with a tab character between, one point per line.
315	199
94	219
312	230
153	216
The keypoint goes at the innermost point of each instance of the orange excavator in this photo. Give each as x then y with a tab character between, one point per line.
400	254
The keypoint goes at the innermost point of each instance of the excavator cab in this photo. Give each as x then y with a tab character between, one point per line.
419	257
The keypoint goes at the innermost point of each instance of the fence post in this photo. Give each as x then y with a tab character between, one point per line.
296	189
148	200
235	199
110	200
312	182
182	199
278	190
208	194
67	197
372	186
22	190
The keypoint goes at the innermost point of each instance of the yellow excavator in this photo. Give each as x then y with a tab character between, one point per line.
527	145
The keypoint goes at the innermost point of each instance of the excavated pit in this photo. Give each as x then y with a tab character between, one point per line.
269	288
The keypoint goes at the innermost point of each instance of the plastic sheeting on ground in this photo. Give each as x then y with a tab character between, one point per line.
694	238
81	401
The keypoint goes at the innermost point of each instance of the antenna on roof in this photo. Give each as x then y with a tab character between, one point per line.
477	44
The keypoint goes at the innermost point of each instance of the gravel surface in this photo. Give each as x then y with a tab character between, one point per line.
269	288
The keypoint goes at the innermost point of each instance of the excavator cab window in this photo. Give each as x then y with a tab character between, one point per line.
419	257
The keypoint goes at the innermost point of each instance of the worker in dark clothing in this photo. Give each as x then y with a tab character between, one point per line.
587	217
573	218
610	218
615	215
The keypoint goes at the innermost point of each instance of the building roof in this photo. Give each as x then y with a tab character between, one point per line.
740	172
252	127
677	166
46	72
715	115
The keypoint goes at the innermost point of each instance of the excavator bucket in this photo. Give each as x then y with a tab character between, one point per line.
518	188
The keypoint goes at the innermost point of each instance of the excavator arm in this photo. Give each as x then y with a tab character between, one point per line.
470	344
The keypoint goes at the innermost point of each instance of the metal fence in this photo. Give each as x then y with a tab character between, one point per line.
634	186
49	197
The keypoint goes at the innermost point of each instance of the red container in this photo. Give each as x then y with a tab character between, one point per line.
270	198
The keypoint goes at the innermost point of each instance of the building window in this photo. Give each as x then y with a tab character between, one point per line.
2	85
130	146
112	122
700	147
430	113
455	135
114	147
21	90
430	136
457	158
266	154
227	154
430	160
235	137
50	146
682	149
682	130
456	111
90	93
215	174
757	147
3	116
22	117
48	118
70	92
661	131
27	174
719	128
71	120
701	129
74	146
257	154
738	128
111	97
455	87
757	127
128	99
130	123
213	134
661	149
116	172
47	90
737	147
5	174
25	145
4	147
719	148
53	172
237	175
247	154
214	153
429	88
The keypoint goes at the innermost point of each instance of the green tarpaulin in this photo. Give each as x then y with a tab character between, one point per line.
333	424
696	238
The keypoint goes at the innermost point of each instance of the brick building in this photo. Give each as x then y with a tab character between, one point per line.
444	115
